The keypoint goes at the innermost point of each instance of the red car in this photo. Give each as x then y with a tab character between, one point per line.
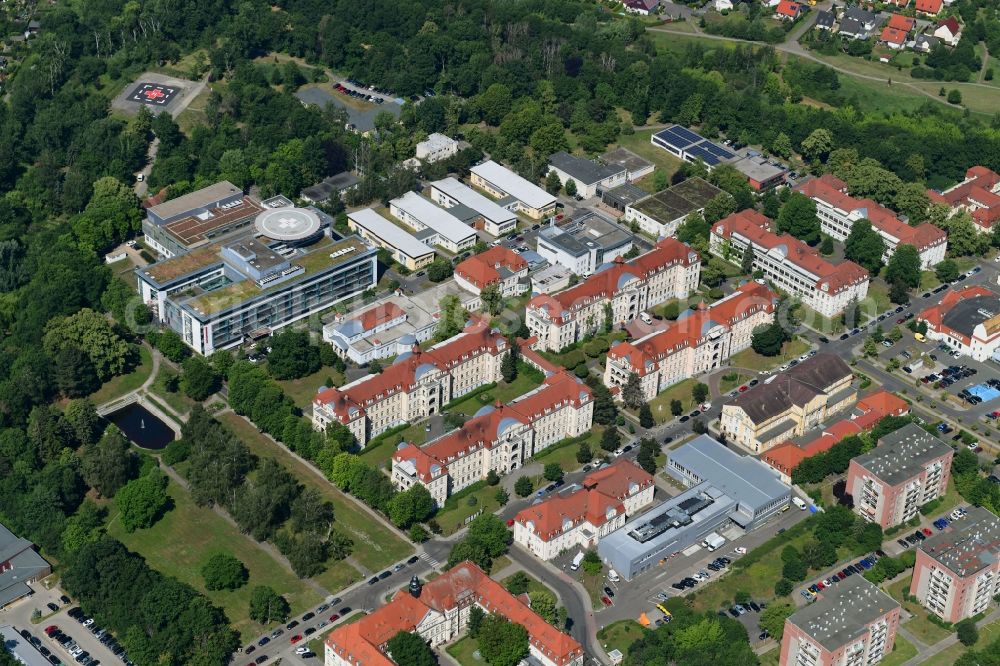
296	638
606	601
743	388
927	532
49	629
510	523
334	617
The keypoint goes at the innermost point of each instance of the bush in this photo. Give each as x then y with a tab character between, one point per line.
783	587
968	634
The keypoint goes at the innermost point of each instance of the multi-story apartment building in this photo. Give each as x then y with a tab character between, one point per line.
852	623
669	270
498	438
838	211
789	264
415	386
697	342
439	613
498	265
979	194
967	320
789	404
582	517
909	468
957	571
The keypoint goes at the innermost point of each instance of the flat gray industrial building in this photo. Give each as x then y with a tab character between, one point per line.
725	488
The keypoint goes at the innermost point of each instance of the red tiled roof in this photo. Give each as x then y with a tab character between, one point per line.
379	315
929	6
643	355
921	237
976	192
401	375
361	643
836	277
620	479
934	315
893	36
481	269
953	26
786	457
900	22
788	8
559	514
482	431
605	284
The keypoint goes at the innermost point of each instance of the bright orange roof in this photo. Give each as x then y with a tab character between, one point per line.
560	513
929	6
893	36
606	283
787	456
483	269
788	8
934	315
621	479
349	401
361	643
836	277
900	22
379	315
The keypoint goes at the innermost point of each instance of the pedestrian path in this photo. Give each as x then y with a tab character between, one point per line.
429	560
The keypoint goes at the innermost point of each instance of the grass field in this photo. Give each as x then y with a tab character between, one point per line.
660	405
565	455
817	322
194	114
188	535
620	635
751	360
462	651
375	547
503	392
176	400
301	391
950	655
918	625
727	385
534	585
119	386
771	657
452	520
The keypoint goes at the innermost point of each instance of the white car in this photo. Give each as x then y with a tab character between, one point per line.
740	549
301	650
957	513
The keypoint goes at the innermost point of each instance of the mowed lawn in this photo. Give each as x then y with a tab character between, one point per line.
902	651
751	360
620	635
639	143
121	385
926	631
301	391
188	535
375	546
660	405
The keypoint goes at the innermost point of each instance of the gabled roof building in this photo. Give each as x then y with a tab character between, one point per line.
438	611
499	438
838	212
416	385
670	270
20	565
966	319
789	263
789	404
499	266
580	518
699	341
979	194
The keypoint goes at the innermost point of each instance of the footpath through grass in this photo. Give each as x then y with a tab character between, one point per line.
751	360
187	535
462	651
375	546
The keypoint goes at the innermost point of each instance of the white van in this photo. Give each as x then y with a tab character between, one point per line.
613	576
799	503
644	316
576	561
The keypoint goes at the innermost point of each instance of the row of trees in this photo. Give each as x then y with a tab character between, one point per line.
269	504
836	459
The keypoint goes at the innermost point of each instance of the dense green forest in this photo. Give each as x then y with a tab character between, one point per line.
520	77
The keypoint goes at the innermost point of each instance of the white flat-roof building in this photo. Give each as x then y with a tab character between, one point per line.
436	147
449	192
585	243
501	182
405	248
419	213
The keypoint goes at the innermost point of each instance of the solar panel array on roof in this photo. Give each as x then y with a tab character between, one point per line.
704	154
687	134
717	150
673	137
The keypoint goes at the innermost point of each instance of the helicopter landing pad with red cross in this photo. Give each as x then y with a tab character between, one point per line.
154	94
